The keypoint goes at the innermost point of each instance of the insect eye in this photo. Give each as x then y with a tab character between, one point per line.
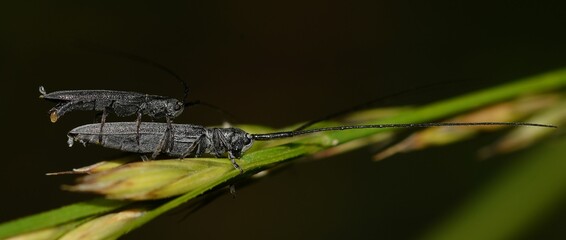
177	107
248	140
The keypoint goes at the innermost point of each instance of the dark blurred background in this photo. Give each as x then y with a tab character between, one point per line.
273	63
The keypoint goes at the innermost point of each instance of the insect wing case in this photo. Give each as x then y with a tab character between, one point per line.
122	103
124	136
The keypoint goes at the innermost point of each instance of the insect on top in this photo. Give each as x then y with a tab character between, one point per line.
122	103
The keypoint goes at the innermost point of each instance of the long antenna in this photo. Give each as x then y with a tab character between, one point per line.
371	102
107	50
211	106
276	135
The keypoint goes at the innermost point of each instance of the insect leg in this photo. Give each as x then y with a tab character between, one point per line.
60	109
162	143
233	160
232	188
171	137
102	121
138	121
166	143
193	146
97	117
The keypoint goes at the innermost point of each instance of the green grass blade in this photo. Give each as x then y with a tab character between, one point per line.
59	216
264	157
540	83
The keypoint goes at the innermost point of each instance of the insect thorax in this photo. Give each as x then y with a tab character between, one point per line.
233	141
163	108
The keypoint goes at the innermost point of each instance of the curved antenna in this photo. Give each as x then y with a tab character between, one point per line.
369	103
276	135
211	106
130	56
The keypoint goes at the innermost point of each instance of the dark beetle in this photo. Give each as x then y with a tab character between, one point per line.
198	140
122	103
188	139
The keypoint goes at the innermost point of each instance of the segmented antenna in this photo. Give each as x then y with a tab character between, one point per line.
107	50
162	67
276	135
213	107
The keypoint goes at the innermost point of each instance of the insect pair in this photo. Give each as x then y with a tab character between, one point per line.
187	140
182	140
122	103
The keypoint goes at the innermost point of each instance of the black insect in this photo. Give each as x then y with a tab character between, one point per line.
122	103
198	140
119	102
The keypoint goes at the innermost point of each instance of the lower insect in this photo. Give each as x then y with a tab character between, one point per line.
198	140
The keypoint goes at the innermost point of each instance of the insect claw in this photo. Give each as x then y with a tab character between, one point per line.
236	166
